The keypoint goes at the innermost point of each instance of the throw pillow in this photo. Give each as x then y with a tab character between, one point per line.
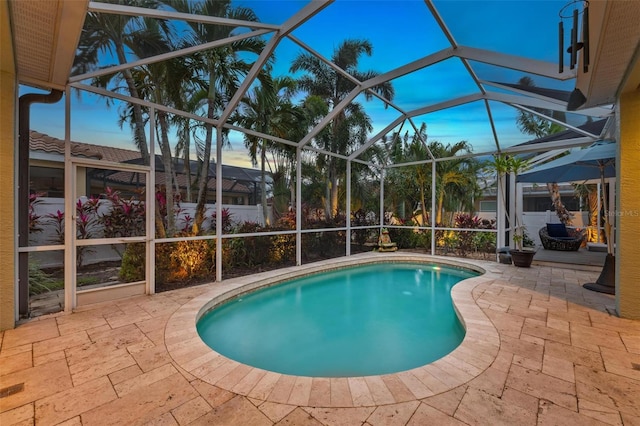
557	230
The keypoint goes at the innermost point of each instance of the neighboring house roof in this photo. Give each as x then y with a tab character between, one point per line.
240	174
237	179
228	185
594	127
561	95
48	144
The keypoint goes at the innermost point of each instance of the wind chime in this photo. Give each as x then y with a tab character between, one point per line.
571	11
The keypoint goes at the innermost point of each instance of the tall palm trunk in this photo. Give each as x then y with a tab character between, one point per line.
439	208
140	135
331	203
564	215
187	162
206	158
592	199
334	195
423	206
263	183
327	196
165	148
327	201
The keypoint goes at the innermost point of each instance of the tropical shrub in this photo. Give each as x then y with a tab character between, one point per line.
361	236
34	219
133	263
42	282
227	222
472	241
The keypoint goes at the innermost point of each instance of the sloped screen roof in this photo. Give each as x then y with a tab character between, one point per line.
455	66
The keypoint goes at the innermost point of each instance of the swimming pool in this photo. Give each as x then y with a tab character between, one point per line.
357	321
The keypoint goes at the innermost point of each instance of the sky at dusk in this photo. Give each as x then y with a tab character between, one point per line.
400	32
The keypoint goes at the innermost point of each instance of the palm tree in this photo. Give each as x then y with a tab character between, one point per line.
405	182
348	127
221	71
532	124
455	178
590	192
184	132
113	35
268	109
187	96
166	83
417	151
502	165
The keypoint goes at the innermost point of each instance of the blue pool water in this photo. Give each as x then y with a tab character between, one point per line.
359	321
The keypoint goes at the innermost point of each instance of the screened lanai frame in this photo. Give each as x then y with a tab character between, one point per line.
523	100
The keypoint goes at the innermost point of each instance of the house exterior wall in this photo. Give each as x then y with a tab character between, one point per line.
7	172
628	209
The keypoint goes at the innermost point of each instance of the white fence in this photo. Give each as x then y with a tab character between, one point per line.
533	221
238	214
49	236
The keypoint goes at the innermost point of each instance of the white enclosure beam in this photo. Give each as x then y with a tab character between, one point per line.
519	63
345	74
501	213
533	102
151	208
315	53
118	9
443	26
544	157
250	77
376	137
166	56
219	178
130	99
433	209
382	175
441	23
538	147
446	104
555	120
348	212
591	112
493	125
298	206
291	24
70	182
409	68
332	114
424	142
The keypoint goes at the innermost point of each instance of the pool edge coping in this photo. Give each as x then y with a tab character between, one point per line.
473	356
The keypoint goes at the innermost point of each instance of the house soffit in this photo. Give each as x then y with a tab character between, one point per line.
45	37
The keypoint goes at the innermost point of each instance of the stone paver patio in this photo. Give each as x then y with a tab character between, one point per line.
539	350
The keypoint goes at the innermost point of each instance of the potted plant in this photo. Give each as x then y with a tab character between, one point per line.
503	164
522	255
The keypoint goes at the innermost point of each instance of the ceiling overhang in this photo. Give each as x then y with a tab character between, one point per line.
614	37
45	37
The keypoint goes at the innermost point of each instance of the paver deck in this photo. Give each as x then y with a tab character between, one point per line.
542	350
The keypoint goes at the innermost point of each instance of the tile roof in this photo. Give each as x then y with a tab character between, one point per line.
595	127
45	143
48	144
228	185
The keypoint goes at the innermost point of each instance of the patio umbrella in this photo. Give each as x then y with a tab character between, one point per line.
596	161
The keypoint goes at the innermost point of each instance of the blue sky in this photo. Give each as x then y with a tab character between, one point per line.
400	32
